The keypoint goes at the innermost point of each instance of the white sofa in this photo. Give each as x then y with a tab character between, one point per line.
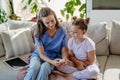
106	39
15	42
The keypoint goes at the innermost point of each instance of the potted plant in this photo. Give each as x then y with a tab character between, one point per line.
34	5
3	15
71	6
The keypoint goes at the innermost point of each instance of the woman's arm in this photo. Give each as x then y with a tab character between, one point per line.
45	58
65	53
65	56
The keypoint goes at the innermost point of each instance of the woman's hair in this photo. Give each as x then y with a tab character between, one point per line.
44	12
81	23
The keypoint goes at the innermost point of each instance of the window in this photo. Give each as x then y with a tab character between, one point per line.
106	4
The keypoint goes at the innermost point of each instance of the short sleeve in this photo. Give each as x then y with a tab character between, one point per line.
90	45
38	42
70	42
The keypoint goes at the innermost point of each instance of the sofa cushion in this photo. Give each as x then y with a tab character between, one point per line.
112	69
17	43
2	51
3	27
102	47
14	24
102	62
115	37
98	33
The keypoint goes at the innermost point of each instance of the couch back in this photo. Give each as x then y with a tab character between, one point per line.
115	38
106	40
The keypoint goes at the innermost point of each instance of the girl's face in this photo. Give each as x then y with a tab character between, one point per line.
49	22
77	33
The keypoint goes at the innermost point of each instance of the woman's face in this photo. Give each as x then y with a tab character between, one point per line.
77	33
49	22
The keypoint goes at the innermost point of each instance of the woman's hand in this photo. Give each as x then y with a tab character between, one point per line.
58	62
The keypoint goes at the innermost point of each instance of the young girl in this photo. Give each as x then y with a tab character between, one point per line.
50	40
83	63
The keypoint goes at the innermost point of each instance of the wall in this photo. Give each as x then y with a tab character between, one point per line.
101	15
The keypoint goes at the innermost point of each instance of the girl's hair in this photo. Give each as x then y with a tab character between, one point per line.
81	23
44	12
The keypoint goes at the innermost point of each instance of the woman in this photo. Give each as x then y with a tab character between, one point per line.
50	40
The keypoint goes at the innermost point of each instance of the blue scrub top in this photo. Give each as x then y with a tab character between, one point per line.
52	46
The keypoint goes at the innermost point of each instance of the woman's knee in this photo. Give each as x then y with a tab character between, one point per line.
35	63
46	67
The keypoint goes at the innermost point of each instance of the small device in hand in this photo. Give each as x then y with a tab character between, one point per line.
61	60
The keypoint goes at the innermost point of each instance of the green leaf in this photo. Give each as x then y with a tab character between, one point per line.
48	0
78	2
25	7
34	8
72	10
84	11
22	1
69	4
81	15
83	6
62	12
67	17
29	2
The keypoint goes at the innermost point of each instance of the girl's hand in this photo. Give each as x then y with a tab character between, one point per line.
67	61
81	65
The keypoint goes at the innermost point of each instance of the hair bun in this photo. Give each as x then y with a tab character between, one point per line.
74	18
87	20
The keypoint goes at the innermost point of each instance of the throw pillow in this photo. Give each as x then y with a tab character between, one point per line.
17	43
7	44
115	37
98	33
14	24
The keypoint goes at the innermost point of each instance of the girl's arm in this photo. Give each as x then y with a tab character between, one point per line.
91	58
79	64
45	58
89	61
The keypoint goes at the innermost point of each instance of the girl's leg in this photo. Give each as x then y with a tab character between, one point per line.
33	69
61	73
44	71
89	73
